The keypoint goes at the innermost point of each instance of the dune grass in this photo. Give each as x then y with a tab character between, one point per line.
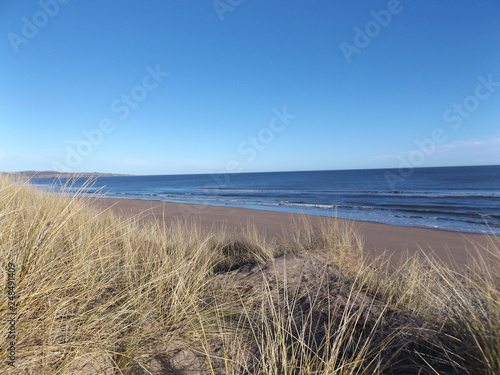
100	294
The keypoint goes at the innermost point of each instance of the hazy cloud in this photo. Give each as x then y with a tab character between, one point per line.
470	151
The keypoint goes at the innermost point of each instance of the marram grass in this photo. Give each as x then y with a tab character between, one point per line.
100	294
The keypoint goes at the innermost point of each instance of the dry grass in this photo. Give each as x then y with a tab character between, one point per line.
98	294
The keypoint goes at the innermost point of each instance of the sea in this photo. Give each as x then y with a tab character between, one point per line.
463	199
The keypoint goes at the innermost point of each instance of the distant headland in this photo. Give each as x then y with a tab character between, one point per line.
55	174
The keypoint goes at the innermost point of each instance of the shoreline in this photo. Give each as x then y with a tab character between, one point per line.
452	248
256	208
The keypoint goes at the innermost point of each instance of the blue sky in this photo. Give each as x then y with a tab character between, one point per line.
167	87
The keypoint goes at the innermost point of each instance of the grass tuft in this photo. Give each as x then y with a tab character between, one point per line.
100	294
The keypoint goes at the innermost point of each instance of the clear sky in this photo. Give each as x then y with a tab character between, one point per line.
167	87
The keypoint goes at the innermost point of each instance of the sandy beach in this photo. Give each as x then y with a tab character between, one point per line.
208	295
453	248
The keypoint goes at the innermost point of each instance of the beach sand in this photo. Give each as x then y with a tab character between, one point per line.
196	304
453	248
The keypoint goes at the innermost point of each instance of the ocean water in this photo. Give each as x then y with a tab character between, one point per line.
465	199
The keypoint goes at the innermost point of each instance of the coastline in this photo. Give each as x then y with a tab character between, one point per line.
452	248
149	289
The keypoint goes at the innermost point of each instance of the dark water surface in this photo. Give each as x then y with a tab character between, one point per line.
463	199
